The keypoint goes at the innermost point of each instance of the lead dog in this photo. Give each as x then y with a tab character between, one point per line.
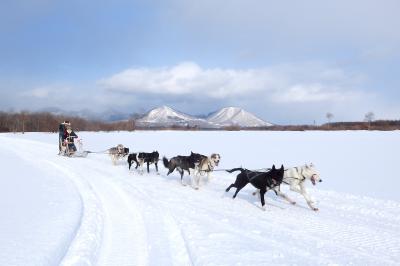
182	163
117	153
296	177
261	180
206	166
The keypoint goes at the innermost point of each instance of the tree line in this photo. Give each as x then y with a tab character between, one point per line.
46	122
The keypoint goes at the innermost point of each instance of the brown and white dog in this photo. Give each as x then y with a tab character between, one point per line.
206	166
117	153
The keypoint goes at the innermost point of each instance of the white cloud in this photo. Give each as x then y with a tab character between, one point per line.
37	93
184	78
315	93
310	82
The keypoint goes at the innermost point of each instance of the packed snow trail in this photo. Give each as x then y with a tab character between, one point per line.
112	217
132	219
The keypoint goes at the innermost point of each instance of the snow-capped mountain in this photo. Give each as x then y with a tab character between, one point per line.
230	116
166	116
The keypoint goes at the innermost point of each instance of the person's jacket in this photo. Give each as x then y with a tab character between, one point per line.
69	136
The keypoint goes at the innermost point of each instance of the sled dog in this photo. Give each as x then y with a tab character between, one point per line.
142	158
131	159
261	180
117	153
181	163
296	177
206	166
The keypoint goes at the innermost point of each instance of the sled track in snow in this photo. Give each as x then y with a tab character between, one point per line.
165	242
84	245
114	229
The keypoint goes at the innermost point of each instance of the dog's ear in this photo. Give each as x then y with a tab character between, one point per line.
282	168
273	167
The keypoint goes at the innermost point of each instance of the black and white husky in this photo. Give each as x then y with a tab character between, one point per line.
142	158
181	163
296	177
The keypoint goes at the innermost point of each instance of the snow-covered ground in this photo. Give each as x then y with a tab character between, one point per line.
85	211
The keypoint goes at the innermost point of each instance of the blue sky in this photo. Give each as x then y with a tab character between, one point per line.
286	62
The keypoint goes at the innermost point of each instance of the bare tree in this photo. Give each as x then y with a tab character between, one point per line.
369	117
329	116
24	117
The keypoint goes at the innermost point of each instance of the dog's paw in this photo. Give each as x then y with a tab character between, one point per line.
315	209
293	203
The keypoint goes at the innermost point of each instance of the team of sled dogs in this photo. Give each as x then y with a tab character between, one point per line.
198	165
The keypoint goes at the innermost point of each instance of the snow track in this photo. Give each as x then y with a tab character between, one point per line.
113	213
85	244
132	219
157	237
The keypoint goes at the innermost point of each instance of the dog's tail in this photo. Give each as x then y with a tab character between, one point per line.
235	169
165	162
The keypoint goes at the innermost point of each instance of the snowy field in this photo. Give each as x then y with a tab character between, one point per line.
85	211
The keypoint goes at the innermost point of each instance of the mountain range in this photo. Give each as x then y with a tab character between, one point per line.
165	116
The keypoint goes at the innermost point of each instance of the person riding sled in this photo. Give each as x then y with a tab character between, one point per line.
68	140
61	131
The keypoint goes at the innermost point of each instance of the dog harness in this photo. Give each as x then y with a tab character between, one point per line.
300	173
210	168
268	185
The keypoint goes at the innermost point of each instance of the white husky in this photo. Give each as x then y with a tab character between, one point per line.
295	177
117	153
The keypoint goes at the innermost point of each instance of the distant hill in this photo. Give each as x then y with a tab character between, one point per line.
165	116
234	116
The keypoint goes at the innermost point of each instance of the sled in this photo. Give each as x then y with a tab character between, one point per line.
79	153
